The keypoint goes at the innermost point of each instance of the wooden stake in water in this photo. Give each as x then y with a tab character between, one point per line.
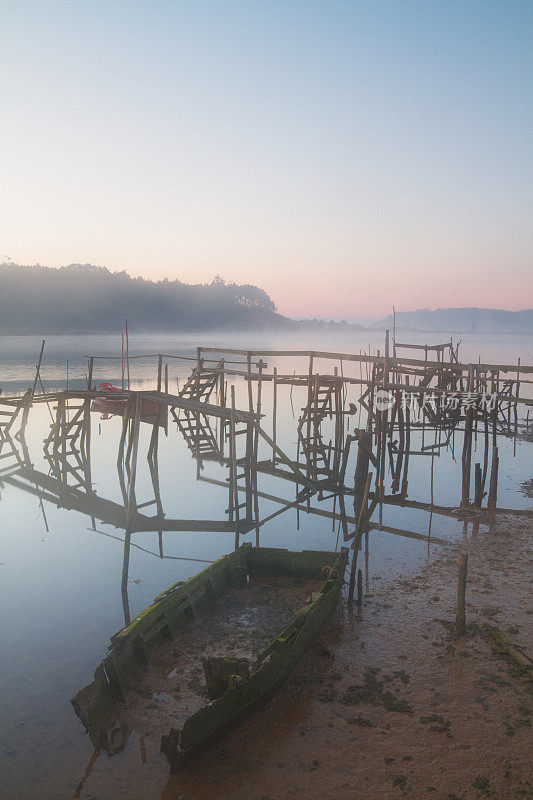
38	369
234	492
90	374
131	506
159	371
493	484
127	355
274	412
466	460
394	332
249	379
478	496
363	514
255	451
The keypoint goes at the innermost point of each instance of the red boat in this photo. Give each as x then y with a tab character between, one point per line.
151	412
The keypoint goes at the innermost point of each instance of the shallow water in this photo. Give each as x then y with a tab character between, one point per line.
61	570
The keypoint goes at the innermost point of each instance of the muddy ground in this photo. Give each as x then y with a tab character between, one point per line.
390	704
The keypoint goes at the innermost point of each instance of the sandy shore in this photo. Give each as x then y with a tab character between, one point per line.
391	704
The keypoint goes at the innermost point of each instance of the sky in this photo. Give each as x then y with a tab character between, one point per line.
343	155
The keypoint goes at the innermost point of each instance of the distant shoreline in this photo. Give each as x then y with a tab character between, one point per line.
82	299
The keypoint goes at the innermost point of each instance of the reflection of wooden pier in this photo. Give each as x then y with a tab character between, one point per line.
399	408
199	436
106	511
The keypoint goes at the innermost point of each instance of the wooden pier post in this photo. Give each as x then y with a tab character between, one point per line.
310	385
274	413
485	453
467	458
127	356
60	442
363	512
222	393
367	562
233	492
478	492
28	397
381	462
255	452
90	374
249	380
353	570
364	445
131	506
198	371
339	425
159	372
407	439
493	484
359	588
38	369
249	468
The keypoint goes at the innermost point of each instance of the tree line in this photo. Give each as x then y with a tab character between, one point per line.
82	298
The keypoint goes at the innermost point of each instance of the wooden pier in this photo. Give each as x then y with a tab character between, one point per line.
360	421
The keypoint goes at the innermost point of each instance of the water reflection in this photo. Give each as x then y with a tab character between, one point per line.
216	432
270	464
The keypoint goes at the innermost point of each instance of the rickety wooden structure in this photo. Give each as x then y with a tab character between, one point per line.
324	400
440	350
437	378
447	384
11	409
67	446
400	408
11	460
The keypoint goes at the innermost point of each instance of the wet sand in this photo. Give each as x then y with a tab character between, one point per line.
390	704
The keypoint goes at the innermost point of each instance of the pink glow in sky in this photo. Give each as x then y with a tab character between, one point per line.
343	156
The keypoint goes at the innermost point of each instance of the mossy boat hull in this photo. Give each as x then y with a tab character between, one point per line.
239	695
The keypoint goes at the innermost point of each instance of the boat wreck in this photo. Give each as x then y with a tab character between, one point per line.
236	685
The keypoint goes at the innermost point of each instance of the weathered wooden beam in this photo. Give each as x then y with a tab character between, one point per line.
393	362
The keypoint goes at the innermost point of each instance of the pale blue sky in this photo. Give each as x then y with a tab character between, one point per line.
342	155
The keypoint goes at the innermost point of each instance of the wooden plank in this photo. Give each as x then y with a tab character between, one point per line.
393	362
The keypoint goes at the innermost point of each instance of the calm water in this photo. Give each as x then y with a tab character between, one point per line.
60	586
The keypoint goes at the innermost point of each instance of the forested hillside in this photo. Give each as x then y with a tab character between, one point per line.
82	298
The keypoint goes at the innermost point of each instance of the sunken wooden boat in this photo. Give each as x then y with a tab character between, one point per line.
244	586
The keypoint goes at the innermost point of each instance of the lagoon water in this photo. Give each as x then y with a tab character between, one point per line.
60	570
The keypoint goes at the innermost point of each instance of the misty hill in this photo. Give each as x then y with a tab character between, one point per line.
82	298
463	320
